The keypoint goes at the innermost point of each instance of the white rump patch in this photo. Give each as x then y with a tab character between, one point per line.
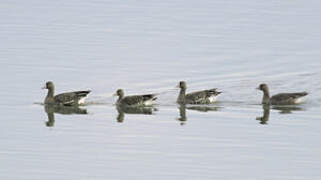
212	99
149	102
82	100
299	100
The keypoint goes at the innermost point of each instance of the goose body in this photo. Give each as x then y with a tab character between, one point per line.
282	98
66	99
200	97
135	100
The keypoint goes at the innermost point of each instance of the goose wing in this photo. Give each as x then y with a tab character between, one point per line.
201	96
288	96
70	98
138	99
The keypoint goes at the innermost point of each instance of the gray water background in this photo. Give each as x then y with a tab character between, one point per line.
148	46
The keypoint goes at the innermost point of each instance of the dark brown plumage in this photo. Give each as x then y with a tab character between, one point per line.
282	98
67	99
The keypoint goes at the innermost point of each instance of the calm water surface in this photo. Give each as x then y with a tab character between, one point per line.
148	46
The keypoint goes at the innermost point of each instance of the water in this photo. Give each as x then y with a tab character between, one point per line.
148	46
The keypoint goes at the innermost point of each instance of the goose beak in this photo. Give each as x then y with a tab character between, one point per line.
177	86
258	88
115	94
44	87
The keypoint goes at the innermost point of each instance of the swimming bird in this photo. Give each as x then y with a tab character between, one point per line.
199	97
135	100
66	99
282	98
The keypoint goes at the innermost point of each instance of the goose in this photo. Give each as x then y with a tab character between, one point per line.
199	97
134	100
282	98
66	99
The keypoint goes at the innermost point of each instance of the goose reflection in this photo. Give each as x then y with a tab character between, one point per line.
122	110
182	114
282	110
287	109
266	115
66	110
182	111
